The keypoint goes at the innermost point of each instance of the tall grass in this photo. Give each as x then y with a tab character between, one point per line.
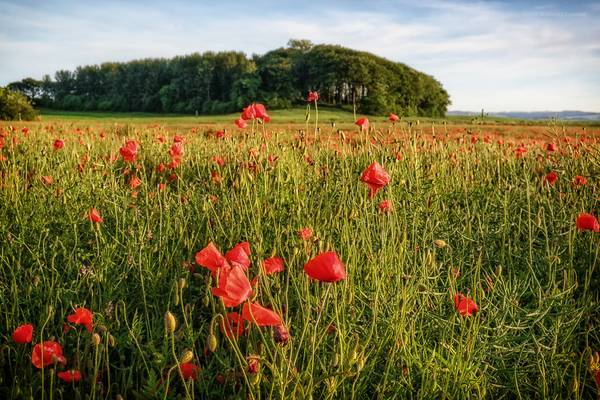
389	330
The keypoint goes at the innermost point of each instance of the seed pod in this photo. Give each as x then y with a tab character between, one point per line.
170	322
186	357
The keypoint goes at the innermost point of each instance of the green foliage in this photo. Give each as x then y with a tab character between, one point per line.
225	82
14	106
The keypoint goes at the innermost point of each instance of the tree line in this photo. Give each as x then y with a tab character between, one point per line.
223	82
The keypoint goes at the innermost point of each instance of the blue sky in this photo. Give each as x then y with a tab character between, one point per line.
501	55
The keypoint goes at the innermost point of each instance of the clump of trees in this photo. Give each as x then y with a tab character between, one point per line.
213	83
15	106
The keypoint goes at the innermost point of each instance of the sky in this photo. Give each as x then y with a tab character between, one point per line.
495	55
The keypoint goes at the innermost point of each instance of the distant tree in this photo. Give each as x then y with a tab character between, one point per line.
222	82
303	45
31	88
14	106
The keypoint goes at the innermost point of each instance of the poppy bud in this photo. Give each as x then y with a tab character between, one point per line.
336	361
96	339
360	363
439	243
211	342
176	297
119	397
206	300
170	322
353	356
186	357
111	340
181	283
254	379
575	387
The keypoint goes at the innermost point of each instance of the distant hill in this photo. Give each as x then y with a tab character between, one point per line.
562	115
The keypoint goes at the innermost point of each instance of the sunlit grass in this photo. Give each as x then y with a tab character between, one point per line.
389	330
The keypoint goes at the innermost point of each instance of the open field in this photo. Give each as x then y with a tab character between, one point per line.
467	211
293	115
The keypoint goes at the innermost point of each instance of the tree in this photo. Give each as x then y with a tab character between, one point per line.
222	82
14	105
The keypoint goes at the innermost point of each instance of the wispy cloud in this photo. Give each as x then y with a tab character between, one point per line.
495	55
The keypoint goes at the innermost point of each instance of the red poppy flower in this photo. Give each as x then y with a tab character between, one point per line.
579	181
393	117
82	316
234	287
273	265
134	182
260	315
23	333
326	267
587	222
550	147
189	371
465	305
220	134
210	257
260	112
71	376
176	150
94	216
46	353
253	364
385	206
305	233
232	325
160	168
240	255
215	177
47	179
376	177
551	178
129	151
520	151
174	163
363	123
255	111
241	123
58	144
312	96
218	160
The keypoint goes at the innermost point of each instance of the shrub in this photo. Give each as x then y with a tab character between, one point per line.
14	105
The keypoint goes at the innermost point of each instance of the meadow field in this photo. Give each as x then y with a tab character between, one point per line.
148	257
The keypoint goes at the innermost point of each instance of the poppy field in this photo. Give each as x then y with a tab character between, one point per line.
252	260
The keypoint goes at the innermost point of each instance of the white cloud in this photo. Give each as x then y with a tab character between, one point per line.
486	54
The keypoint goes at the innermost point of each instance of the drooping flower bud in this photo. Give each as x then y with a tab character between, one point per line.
170	322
